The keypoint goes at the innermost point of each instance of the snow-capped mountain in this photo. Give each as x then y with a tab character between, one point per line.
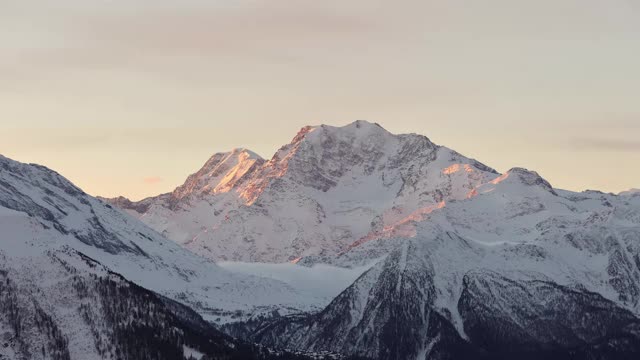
41	212
329	188
517	270
458	261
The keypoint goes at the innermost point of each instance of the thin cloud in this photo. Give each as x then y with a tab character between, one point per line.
606	144
91	37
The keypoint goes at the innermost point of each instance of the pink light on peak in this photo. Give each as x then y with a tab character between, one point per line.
500	178
456	168
451	169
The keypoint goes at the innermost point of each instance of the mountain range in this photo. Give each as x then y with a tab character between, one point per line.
82	280
455	260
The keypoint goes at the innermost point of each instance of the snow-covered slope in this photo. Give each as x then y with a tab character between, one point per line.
518	269
40	212
63	305
328	188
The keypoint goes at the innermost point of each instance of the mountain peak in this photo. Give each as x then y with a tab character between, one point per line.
320	155
359	128
526	177
364	124
240	150
37	175
220	173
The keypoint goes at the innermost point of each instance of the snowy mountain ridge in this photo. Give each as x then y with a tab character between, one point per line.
517	270
40	211
328	188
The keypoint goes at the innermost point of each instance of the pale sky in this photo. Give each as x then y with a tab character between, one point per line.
129	97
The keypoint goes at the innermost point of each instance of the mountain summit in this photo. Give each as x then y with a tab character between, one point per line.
325	191
221	173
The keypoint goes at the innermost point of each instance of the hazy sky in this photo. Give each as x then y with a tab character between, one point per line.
129	97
